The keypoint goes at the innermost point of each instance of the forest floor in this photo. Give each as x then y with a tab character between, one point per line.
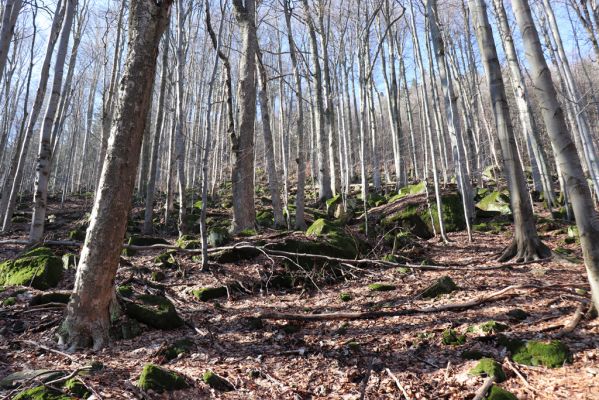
329	359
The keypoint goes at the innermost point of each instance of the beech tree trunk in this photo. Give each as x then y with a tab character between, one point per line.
587	218
88	315
242	143
9	19
526	244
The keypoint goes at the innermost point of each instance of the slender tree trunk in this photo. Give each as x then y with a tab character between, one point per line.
526	244
45	151
587	218
88	314
9	19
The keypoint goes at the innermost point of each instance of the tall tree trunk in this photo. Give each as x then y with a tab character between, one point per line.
242	144
89	310
587	218
9	19
526	244
45	151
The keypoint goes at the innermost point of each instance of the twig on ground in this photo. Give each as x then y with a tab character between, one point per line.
519	375
41	346
398	383
482	391
139	393
573	322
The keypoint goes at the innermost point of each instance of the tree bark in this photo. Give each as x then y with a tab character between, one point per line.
526	244
88	312
587	218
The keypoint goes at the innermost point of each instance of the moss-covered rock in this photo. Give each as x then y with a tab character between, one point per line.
76	388
417	188
69	260
409	218
125	290
9	301
152	310
451	337
218	236
488	367
553	354
176	349
38	268
159	379
41	393
493	327
453	214
381	287
166	259
265	219
217	382
345	296
77	234
51	297
125	328
443	285
493	204
497	393
139	240
187	242
210	293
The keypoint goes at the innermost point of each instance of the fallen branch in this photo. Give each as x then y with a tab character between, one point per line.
519	375
398	383
499	295
576	318
482	391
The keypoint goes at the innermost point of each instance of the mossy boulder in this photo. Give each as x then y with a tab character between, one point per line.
210	293
69	260
336	242
332	204
493	204
217	382
187	242
76	388
125	328
41	393
50	297
443	285
9	301
497	393
176	349
493	327
77	234
38	268
265	218
166	259
139	240
160	380
552	355
417	188
409	218
218	236
488	367
453	213
155	311
451	337
381	287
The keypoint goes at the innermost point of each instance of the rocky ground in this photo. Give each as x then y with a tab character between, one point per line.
219	347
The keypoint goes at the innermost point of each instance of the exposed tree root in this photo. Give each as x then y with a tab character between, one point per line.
499	295
525	250
482	391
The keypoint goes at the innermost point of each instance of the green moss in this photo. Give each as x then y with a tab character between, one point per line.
553	354
179	347
217	382
488	367
159	379
443	285
493	327
9	301
381	287
345	296
209	293
51	297
166	259
333	201
517	314
494	203
247	233
320	227
453	214
497	393
353	346
265	218
74	387
41	393
409	218
19	219
218	237
155	311
409	190
38	268
69	260
125	290
187	242
451	337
